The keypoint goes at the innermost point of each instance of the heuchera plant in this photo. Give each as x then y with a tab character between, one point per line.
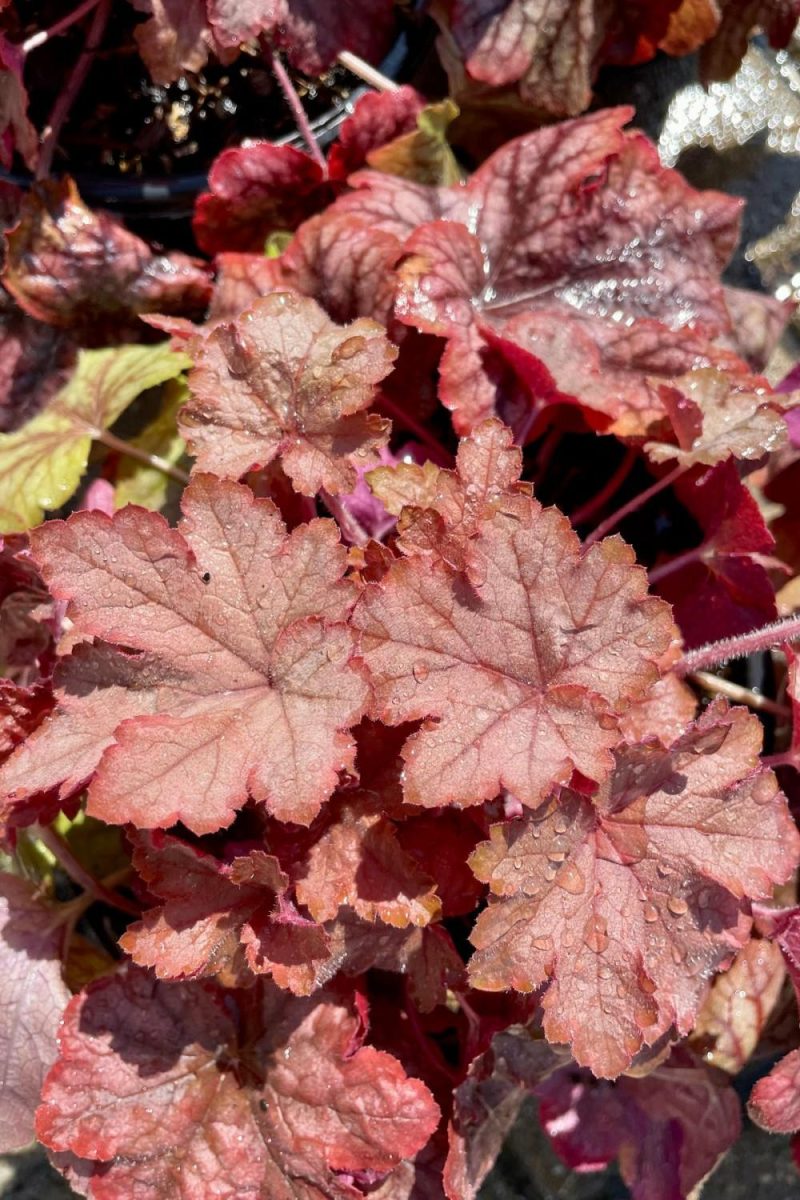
393	784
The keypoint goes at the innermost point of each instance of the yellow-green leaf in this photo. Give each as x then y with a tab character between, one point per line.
424	155
42	464
138	483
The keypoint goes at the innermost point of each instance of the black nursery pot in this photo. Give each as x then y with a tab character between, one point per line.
171	198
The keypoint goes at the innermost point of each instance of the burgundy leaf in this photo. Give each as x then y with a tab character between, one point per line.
257	190
487	1104
628	901
175	39
34	997
377	118
16	131
222	676
175	1089
312	35
720	588
208	904
554	49
82	270
669	1129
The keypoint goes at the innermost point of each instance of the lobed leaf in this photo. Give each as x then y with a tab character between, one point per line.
625	903
174	1089
224	666
523	667
282	379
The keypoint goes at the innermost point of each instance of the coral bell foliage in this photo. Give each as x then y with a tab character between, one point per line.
364	767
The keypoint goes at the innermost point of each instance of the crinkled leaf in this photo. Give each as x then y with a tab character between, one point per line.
198	930
628	901
669	1130
21	710
359	862
179	1091
241	279
739	1005
524	669
721	57
714	415
663	713
42	464
282	379
226	648
35	361
578	220
254	191
424	154
34	998
175	39
311	34
82	270
440	511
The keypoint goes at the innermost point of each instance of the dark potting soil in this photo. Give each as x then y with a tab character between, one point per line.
122	124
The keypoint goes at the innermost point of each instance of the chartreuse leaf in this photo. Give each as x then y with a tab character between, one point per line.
424	155
148	486
42	464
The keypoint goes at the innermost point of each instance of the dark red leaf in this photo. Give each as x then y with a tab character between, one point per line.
257	190
722	587
82	270
312	35
669	1130
208	904
17	134
487	1104
377	118
554	50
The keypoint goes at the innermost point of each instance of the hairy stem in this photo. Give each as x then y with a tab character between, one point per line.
633	505
62	106
738	694
711	655
44	35
76	871
298	112
615	482
149	460
370	74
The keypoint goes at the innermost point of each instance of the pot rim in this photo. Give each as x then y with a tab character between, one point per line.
144	194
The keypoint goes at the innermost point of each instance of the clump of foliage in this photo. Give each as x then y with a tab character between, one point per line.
358	778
